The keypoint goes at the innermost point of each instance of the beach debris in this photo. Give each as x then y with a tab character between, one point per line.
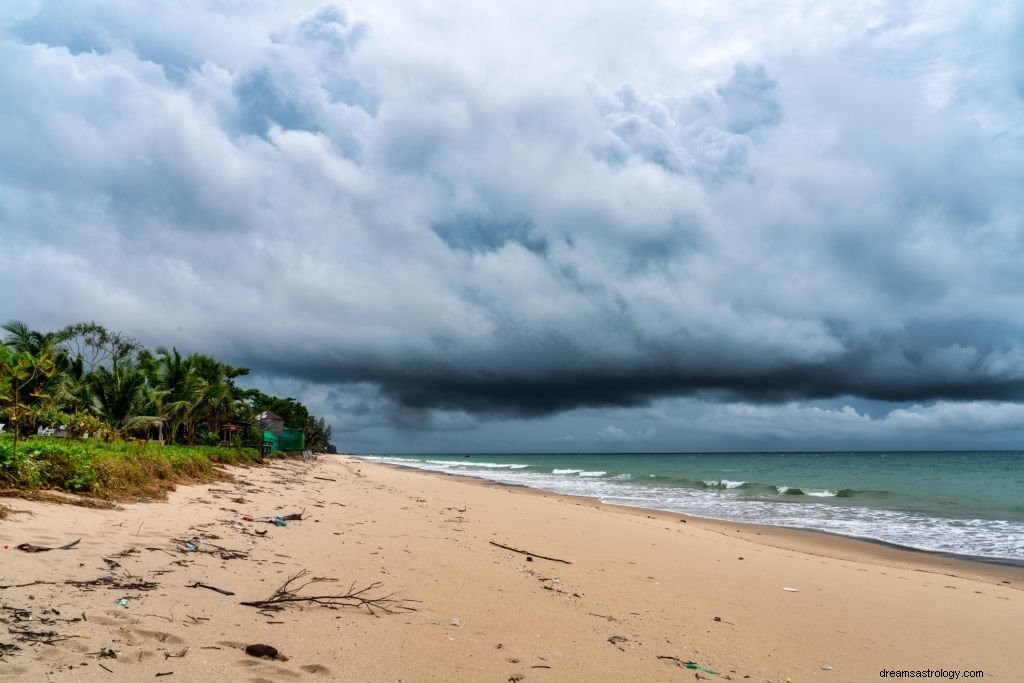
26	635
163	673
615	640
527	552
277	520
193	546
264	651
826	667
689	664
790	590
198	584
123	602
30	548
8	649
114	582
288	593
180	653
455	622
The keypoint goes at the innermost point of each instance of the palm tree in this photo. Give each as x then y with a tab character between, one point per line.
118	394
23	339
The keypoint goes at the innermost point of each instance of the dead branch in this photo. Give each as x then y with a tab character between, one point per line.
222	591
44	637
114	583
288	593
25	585
30	548
528	553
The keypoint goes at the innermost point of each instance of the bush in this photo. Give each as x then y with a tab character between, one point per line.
116	469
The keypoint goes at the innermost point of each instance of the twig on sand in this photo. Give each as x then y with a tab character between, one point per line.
288	593
528	553
222	591
30	548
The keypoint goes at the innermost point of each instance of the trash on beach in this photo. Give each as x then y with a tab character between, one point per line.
688	664
30	548
123	602
790	590
826	667
455	622
276	520
192	546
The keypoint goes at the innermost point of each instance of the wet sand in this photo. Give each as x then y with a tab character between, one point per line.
639	593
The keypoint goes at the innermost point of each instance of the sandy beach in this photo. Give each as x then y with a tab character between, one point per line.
599	593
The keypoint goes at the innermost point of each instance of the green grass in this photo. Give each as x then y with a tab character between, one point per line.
116	470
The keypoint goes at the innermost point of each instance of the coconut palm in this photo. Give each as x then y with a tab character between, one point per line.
118	394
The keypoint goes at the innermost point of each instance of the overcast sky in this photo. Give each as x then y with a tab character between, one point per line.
535	225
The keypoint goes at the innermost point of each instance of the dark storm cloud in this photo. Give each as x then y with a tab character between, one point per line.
544	386
434	216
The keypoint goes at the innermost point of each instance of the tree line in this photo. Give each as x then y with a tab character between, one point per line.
97	382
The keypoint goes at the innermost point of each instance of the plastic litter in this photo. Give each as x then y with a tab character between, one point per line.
123	602
456	622
790	590
280	521
695	665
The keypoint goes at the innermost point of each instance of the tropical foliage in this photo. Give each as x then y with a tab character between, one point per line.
87	380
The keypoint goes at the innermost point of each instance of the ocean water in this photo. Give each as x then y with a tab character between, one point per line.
965	503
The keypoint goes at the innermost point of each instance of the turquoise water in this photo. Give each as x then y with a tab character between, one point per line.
967	503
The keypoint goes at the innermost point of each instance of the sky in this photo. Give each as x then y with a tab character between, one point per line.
539	226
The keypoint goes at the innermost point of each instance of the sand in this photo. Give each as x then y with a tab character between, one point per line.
642	593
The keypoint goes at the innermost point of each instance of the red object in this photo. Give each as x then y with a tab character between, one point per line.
247	518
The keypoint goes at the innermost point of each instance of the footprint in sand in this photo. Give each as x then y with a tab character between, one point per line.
160	636
316	669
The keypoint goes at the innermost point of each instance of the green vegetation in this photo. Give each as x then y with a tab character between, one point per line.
133	422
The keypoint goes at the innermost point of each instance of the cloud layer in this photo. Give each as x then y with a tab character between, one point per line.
451	218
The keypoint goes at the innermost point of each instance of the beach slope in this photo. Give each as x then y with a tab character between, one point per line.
597	594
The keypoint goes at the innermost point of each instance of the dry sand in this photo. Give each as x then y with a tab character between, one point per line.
644	593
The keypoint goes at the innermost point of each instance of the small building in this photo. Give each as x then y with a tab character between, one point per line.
271	422
233	430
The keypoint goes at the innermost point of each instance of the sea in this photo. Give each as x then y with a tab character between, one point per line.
960	503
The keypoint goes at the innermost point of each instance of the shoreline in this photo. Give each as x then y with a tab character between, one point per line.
810	541
499	583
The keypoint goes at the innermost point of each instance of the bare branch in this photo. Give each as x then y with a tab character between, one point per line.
528	553
288	593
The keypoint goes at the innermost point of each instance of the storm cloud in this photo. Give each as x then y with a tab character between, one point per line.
596	222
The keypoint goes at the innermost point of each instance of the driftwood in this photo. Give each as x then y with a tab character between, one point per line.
197	584
29	548
288	593
529	554
193	546
44	637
